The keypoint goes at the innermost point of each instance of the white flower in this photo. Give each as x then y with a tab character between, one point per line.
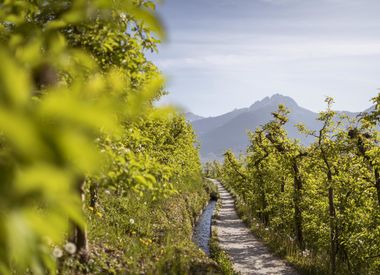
257	225
123	16
266	229
107	192
70	248
57	252
131	221
306	252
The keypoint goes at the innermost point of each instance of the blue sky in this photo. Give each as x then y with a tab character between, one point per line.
226	54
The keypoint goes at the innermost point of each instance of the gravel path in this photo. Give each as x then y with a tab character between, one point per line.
248	254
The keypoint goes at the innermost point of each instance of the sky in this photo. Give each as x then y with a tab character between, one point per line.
225	54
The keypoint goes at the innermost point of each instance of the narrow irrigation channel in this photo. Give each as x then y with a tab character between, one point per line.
202	231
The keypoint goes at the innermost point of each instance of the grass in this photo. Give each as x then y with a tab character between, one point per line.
133	235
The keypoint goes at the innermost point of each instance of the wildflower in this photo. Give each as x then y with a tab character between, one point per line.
107	192
123	16
257	225
131	221
57	252
266	229
306	253
70	248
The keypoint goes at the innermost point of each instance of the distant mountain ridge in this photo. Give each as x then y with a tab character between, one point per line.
229	131
192	117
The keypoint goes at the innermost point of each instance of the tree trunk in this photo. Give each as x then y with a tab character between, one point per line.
264	204
93	194
333	231
265	214
377	184
79	233
283	185
298	226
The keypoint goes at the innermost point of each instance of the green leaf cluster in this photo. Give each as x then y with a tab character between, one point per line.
76	106
320	202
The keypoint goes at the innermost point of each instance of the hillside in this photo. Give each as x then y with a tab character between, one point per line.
229	131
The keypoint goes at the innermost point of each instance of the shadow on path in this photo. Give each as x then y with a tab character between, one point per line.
248	254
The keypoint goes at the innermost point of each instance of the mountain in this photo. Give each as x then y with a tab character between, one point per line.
208	124
192	117
229	131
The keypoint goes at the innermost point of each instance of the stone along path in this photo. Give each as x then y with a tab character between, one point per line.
248	254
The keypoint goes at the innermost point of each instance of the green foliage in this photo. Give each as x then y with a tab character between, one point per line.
318	205
76	102
134	234
153	155
374	116
212	169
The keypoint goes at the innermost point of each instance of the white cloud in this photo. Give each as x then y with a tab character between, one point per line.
233	52
246	55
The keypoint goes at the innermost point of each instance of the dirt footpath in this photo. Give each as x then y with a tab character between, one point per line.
248	254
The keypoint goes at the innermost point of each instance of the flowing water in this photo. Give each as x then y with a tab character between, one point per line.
202	231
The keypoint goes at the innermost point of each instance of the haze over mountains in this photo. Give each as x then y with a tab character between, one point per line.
192	117
229	131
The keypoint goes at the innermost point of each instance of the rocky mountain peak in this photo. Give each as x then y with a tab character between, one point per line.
274	100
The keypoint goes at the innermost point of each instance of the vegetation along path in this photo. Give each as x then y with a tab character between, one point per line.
248	254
